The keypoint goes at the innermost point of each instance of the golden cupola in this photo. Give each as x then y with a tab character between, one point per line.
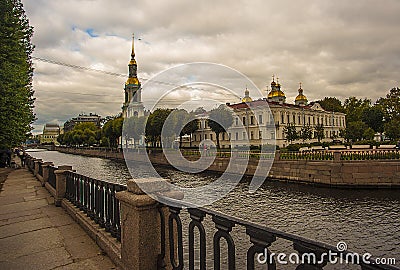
246	97
301	99
276	93
132	67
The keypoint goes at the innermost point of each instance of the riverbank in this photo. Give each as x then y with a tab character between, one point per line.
333	173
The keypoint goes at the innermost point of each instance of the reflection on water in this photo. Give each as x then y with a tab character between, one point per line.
367	220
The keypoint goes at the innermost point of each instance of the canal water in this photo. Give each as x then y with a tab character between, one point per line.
368	220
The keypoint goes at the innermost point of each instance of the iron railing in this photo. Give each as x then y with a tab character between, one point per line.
97	199
52	176
370	154
260	237
316	155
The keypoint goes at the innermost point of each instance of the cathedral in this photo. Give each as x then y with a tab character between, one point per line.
264	120
255	122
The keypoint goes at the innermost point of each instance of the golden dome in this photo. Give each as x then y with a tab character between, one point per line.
132	62
301	97
247	99
277	93
132	81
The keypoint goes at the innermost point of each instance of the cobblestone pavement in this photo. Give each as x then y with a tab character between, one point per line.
35	234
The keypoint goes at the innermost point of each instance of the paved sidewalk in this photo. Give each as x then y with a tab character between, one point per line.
35	234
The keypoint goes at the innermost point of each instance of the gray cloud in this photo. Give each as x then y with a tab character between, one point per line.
336	48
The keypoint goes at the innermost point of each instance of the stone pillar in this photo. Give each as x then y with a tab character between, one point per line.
36	168
45	167
61	183
140	225
277	155
337	156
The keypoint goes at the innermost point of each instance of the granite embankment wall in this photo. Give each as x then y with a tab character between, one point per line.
339	173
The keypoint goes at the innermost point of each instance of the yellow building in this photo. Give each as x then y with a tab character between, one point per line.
50	134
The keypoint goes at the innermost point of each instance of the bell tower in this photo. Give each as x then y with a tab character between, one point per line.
133	105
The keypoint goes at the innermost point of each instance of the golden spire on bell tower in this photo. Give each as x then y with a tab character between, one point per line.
133	61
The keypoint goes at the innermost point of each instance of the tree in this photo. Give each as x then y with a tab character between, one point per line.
305	132
392	129
331	104
391	104
112	130
220	119
154	125
368	134
319	132
373	117
355	131
290	132
179	118
191	128
354	108
16	72
134	128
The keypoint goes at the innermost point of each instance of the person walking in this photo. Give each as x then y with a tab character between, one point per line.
22	157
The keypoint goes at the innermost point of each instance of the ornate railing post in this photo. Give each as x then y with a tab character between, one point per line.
61	183
140	225
45	167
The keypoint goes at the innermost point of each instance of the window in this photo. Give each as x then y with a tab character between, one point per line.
211	137
273	135
309	120
260	120
223	136
195	137
199	137
205	136
252	135
237	136
244	136
299	118
282	118
260	134
244	120
288	119
251	120
229	136
236	121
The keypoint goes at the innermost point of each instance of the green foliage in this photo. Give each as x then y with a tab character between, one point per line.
331	104
16	71
319	132
305	132
290	132
134	127
81	134
154	125
354	108
392	129
368	134
112	130
373	117
390	105
220	119
355	131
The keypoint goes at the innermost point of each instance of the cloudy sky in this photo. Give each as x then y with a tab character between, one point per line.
335	48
